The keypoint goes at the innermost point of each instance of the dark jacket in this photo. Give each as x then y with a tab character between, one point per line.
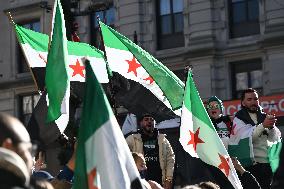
245	117
249	181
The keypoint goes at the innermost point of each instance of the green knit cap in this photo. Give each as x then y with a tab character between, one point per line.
215	99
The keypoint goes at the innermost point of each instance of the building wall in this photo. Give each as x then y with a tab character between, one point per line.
208	47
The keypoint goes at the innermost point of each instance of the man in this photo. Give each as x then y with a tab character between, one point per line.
158	153
261	131
15	144
14	137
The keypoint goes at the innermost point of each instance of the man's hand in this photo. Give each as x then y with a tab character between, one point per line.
269	121
154	185
237	165
167	184
71	162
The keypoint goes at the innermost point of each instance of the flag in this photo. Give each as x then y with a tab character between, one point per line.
35	48
103	159
241	146
199	137
56	78
37	127
138	67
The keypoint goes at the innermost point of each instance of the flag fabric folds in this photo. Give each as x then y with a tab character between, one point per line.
37	127
103	159
135	64
56	77
199	137
35	48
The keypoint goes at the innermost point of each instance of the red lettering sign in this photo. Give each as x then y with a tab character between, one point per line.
270	104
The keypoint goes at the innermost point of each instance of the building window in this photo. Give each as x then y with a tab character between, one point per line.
27	104
22	64
246	74
244	18
170	24
108	17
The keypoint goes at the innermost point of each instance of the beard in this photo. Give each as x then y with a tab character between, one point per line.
148	129
250	110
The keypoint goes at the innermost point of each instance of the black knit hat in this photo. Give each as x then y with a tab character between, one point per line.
140	118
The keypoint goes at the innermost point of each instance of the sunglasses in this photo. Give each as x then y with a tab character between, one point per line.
213	107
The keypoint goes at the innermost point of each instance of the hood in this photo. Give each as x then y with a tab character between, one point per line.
13	163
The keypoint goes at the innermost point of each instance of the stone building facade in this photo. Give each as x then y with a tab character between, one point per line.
230	44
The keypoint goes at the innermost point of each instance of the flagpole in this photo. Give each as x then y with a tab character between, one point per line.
110	76
9	15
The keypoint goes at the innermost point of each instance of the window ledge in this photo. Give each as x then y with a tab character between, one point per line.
241	41
24	75
169	52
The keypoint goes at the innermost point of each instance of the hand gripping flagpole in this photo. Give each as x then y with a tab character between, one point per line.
109	72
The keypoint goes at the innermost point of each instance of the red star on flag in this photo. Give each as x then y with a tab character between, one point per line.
91	178
233	129
194	140
77	69
224	164
149	79
133	65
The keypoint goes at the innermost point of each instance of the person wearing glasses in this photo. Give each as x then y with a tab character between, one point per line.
223	127
221	122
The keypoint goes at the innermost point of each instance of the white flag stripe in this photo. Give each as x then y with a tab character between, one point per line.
39	59
206	143
107	151
117	63
34	57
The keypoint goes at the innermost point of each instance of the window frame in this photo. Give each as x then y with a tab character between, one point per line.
22	114
95	30
173	39
245	66
248	23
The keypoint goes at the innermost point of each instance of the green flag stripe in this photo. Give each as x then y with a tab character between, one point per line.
169	83
96	102
112	42
194	103
95	113
39	42
242	152
274	155
56	77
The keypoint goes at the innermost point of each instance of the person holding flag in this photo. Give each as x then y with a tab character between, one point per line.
255	139
199	137
221	122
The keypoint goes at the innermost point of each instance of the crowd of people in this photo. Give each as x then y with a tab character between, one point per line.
22	166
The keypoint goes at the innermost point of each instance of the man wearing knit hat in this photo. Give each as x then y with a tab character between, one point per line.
156	149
